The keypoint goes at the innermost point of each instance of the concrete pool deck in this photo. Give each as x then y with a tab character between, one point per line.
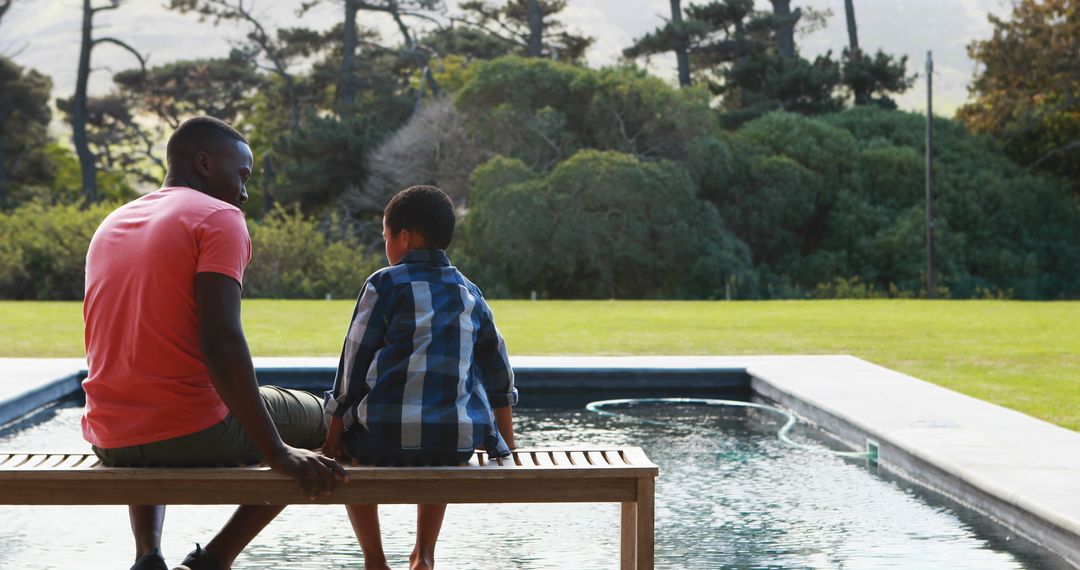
1019	470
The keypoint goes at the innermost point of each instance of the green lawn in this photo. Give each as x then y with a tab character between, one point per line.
1024	356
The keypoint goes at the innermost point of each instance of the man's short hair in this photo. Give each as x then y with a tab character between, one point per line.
201	133
425	210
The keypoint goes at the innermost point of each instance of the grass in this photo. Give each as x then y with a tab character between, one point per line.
1024	356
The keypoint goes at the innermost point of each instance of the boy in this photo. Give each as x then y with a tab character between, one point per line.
424	377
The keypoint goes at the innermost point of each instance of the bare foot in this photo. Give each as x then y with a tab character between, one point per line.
421	562
375	564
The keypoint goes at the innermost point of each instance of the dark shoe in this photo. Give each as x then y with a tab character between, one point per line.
198	560
152	561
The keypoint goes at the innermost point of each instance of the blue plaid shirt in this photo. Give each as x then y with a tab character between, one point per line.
423	364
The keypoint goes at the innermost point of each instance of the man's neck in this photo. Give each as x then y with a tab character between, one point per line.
173	179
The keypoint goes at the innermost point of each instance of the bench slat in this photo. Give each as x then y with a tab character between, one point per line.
543	458
578	459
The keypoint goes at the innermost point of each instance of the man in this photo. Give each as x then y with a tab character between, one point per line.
171	382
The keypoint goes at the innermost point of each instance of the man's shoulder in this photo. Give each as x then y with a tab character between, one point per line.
200	205
185	204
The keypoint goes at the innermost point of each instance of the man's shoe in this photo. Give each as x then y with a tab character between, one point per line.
198	559
152	561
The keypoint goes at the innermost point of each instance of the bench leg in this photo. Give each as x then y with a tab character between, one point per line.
644	523
628	548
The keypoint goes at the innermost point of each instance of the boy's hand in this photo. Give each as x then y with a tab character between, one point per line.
332	447
316	474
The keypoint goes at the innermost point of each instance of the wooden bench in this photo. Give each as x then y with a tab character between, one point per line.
623	476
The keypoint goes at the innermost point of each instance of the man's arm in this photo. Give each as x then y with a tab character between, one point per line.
221	337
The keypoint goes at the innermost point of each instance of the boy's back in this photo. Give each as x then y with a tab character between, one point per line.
423	364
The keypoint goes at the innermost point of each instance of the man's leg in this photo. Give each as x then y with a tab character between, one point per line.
429	519
242	527
301	423
146	522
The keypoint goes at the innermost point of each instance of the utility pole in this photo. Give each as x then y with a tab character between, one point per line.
930	281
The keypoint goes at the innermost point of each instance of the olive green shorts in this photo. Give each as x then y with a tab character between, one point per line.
298	415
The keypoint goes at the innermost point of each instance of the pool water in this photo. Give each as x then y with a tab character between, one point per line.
730	495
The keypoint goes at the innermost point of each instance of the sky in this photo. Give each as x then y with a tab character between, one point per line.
44	35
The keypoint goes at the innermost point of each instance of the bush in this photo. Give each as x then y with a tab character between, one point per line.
292	258
43	249
601	225
841	196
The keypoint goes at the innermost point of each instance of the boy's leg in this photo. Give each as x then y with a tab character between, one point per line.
429	519
365	523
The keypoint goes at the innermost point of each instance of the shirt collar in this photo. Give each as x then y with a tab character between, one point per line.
430	256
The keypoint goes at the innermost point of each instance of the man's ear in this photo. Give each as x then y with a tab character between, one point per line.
202	164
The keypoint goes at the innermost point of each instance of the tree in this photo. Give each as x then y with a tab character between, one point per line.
116	138
871	80
852	30
465	42
79	113
181	89
528	26
24	120
1024	90
125	126
785	20
275	52
400	11
746	56
433	147
601	225
324	159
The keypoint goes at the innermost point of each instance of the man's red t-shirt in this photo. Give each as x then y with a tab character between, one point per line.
147	377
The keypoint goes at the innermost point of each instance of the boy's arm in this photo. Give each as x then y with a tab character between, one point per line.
496	373
334	433
504	417
228	360
362	340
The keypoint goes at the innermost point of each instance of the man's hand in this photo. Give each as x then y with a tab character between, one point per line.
316	474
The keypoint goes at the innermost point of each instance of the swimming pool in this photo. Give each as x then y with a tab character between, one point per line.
730	494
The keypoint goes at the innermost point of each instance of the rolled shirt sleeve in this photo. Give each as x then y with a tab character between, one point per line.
494	362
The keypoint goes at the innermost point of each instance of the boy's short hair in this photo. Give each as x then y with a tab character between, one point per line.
425	210
200	133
